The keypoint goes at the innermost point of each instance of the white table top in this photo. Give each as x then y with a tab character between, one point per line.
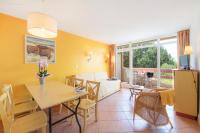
52	93
140	88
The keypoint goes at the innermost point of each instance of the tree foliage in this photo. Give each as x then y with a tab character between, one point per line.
147	58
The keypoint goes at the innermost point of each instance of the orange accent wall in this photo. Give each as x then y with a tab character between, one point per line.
71	51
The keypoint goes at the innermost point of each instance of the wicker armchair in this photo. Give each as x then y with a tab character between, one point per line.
149	107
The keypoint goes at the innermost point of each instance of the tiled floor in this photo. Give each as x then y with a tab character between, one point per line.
115	116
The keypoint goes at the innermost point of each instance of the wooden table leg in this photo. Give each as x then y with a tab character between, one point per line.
50	126
76	115
74	112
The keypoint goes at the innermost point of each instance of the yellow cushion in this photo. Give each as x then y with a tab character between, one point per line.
167	97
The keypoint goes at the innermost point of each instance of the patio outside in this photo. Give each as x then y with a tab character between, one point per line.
145	60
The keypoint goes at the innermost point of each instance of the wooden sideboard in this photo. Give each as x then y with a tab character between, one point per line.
186	93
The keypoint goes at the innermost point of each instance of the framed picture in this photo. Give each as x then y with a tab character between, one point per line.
37	48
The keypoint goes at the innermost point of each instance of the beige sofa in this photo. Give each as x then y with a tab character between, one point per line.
107	87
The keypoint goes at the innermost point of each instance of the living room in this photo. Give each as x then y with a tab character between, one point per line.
53	53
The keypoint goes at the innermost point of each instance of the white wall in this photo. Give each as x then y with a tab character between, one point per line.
195	42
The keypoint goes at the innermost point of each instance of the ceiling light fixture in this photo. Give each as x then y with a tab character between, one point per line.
41	25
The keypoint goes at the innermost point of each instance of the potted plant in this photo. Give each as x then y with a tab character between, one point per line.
43	73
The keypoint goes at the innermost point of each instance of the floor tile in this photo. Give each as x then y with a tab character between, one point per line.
112	116
139	125
115	115
115	126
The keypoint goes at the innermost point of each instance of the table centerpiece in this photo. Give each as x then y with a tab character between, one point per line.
43	73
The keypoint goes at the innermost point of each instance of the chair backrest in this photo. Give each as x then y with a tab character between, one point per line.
151	100
92	87
77	82
69	80
6	116
149	107
8	90
140	79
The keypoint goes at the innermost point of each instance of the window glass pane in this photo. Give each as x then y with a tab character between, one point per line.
145	58
145	43
123	47
168	61
145	61
125	59
125	68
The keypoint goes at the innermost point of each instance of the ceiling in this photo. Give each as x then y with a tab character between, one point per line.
111	21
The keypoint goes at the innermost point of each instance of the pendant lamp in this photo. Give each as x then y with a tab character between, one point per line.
41	25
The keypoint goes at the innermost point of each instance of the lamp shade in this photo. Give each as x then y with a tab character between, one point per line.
188	50
41	25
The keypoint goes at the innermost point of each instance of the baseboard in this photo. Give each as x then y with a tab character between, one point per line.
109	94
186	116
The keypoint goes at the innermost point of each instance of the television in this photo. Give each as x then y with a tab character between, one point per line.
184	61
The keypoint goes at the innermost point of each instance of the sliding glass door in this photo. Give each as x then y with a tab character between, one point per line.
145	60
122	63
157	56
168	61
125	66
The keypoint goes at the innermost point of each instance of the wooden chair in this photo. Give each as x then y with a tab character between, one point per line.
74	82
19	109
69	80
77	82
90	102
22	95
149	107
25	124
140	79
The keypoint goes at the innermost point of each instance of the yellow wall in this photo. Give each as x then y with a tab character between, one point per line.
71	51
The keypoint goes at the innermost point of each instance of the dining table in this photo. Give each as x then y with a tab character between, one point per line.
54	93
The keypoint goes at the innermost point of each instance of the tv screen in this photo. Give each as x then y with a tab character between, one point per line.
184	61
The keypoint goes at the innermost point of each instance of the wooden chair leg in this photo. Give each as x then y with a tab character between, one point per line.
133	115
96	114
170	124
44	129
85	121
88	113
71	120
60	110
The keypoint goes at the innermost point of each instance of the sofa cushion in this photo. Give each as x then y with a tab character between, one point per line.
86	76
108	87
100	76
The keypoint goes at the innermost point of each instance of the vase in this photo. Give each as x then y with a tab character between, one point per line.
42	80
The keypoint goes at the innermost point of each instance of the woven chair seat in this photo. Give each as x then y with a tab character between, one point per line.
148	106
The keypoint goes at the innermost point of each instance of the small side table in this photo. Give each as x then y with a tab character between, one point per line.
135	90
124	84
